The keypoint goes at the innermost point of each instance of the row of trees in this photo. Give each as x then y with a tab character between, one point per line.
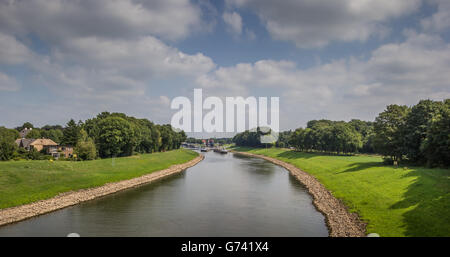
116	134
249	138
419	134
106	135
331	136
220	141
319	135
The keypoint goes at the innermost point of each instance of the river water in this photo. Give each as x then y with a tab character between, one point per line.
223	195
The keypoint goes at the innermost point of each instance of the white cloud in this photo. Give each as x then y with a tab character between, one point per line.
111	70
233	21
101	55
440	20
57	20
144	57
12	52
319	22
400	73
7	83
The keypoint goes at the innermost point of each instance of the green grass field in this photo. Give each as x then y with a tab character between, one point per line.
24	182
411	201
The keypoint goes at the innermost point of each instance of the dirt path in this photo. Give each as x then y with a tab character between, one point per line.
26	211
340	222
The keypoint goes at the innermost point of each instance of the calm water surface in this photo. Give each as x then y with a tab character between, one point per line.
224	195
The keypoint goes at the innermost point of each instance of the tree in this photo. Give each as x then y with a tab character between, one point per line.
53	134
85	148
365	129
116	137
7	143
389	129
25	125
33	154
283	139
71	133
345	138
35	133
417	124
144	134
436	145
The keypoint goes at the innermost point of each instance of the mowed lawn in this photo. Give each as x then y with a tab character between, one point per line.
411	201
24	182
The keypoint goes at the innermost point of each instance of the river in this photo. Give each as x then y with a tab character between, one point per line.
224	195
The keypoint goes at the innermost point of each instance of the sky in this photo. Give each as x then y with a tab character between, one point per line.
324	59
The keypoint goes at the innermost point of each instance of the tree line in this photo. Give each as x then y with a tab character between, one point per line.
106	135
419	134
319	135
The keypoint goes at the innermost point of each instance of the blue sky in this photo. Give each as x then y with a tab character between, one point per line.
329	59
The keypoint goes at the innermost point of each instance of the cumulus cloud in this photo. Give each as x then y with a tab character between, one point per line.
57	20
401	73
95	69
233	21
146	56
99	55
12	52
317	23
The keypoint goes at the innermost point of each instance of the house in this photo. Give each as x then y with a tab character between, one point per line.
46	144
24	143
24	132
65	150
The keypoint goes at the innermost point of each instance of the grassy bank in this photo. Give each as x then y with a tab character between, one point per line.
411	201
24	182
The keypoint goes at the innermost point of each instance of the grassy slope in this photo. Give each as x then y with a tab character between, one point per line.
394	202
23	182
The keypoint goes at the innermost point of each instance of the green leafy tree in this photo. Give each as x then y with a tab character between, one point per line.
345	138
25	125
389	129
71	133
436	145
33	154
35	133
365	129
53	134
85	148
417	124
116	137
7	143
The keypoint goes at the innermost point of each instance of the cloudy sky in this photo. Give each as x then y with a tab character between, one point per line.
62	59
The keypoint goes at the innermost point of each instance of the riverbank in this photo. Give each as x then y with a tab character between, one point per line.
340	222
143	169
404	201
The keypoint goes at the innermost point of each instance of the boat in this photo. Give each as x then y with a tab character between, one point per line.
203	150
220	150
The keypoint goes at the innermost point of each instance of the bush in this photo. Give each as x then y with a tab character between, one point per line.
33	154
86	150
